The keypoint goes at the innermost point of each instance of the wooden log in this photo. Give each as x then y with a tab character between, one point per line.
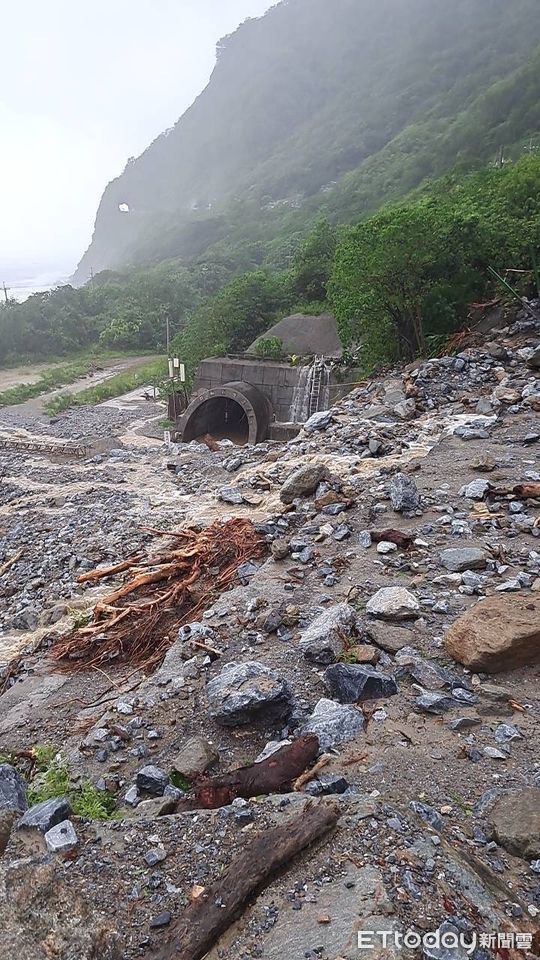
256	780
211	914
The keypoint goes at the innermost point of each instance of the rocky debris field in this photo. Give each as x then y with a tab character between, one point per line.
381	659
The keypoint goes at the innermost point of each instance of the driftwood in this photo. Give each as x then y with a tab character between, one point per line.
528	490
255	780
138	621
209	915
402	540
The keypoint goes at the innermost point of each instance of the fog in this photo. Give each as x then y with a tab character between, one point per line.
83	86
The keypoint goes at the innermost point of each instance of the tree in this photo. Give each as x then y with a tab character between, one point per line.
313	262
387	266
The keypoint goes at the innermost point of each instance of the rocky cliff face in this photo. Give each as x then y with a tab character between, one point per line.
305	98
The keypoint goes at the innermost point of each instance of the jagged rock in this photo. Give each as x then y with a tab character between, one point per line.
249	691
319	421
427	814
280	549
515	819
459	559
434	703
389	638
42	916
351	683
497	633
45	815
324	640
232	495
393	603
7	819
12	789
302	482
364	653
404	494
61	838
333	724
326	785
151	779
534	359
195	757
476	490
405	409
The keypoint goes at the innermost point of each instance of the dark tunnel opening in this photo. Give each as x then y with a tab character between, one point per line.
221	418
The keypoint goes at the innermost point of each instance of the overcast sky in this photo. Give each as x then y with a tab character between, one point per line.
85	84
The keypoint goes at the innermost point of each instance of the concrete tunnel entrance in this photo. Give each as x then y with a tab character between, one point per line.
238	411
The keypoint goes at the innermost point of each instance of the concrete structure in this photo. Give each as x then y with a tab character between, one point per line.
248	399
305	335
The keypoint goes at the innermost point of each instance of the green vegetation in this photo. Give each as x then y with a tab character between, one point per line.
152	373
325	109
412	270
58	377
52	780
270	348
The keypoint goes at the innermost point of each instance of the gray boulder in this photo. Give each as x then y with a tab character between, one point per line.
245	692
459	559
195	757
12	789
152	780
516	823
404	494
351	683
45	815
333	724
61	838
302	482
324	640
393	603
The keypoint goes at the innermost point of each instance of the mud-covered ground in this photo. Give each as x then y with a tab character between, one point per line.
443	426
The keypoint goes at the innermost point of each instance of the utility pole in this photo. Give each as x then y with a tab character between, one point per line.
168	337
6	292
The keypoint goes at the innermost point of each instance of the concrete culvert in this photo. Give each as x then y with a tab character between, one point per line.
237	411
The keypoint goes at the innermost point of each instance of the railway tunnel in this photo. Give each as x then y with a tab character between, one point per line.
236	411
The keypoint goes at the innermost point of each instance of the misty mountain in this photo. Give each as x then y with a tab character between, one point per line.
332	106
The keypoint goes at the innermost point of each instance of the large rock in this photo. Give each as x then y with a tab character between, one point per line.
302	482
249	691
45	815
12	789
333	724
389	637
516	823
458	559
404	494
152	780
393	603
534	360
498	633
195	757
324	640
351	683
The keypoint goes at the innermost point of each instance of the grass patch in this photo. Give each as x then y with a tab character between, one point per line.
150	373
52	780
180	782
60	376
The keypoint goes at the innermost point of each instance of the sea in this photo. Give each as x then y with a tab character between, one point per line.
20	288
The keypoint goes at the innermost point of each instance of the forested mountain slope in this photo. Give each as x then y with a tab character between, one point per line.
325	105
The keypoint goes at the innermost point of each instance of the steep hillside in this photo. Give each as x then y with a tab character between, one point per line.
335	105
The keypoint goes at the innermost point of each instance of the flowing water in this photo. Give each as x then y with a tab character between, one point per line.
312	392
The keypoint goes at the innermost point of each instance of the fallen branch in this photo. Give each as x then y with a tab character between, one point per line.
10	563
258	779
311	774
207	917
